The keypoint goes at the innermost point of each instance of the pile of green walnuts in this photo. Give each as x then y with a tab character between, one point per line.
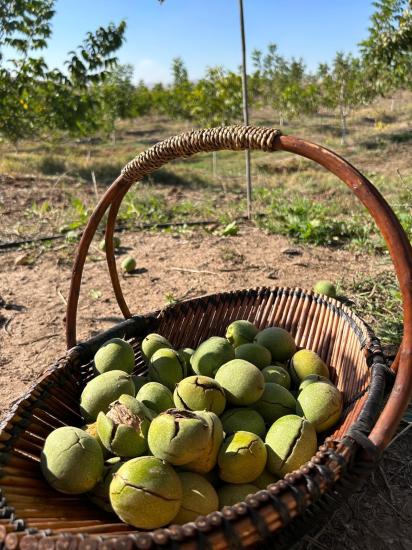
204	429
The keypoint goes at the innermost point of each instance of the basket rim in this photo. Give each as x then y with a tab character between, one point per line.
333	460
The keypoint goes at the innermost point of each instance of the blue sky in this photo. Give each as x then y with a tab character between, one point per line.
206	32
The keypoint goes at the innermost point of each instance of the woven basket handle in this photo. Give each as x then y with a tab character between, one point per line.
265	139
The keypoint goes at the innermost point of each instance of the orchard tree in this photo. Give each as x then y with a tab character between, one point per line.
343	87
36	99
142	100
178	104
116	96
283	84
387	52
216	100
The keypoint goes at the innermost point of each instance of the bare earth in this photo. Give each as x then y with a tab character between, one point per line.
32	336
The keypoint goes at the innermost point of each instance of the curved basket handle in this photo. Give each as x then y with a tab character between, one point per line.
266	139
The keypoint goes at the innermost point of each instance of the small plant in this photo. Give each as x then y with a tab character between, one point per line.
378	299
231	230
170	298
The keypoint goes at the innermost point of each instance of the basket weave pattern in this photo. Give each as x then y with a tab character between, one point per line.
324	325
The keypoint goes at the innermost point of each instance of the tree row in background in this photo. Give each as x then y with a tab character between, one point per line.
95	91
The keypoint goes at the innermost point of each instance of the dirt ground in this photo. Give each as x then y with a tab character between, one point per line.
178	266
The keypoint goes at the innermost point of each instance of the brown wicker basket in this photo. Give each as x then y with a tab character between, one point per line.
32	515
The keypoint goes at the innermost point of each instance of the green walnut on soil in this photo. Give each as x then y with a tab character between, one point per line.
325	287
116	243
146	492
128	265
71	460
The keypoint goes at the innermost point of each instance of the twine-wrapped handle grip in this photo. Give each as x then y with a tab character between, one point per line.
265	139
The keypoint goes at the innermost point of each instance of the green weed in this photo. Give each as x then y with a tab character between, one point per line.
378	300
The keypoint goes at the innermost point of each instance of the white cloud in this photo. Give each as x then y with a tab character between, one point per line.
151	71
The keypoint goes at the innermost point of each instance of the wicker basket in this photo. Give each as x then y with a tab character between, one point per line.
32	515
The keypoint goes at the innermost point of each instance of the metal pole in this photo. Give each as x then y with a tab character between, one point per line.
245	112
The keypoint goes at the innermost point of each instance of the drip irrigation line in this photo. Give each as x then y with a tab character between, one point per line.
119	229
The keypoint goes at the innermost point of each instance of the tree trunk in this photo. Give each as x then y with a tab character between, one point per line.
343	124
214	164
245	110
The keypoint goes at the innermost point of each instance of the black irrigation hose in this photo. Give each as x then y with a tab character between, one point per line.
17	244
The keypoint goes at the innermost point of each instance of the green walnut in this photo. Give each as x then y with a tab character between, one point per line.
139	381
71	460
278	341
290	442
306	362
103	390
186	356
243	382
208	459
199	498
128	265
178	436
146	492
276	401
276	374
321	403
230	494
241	332
100	495
325	287
255	354
116	243
123	429
311	379
166	367
115	354
243	418
156	396
151	343
265	479
200	393
242	458
211	355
